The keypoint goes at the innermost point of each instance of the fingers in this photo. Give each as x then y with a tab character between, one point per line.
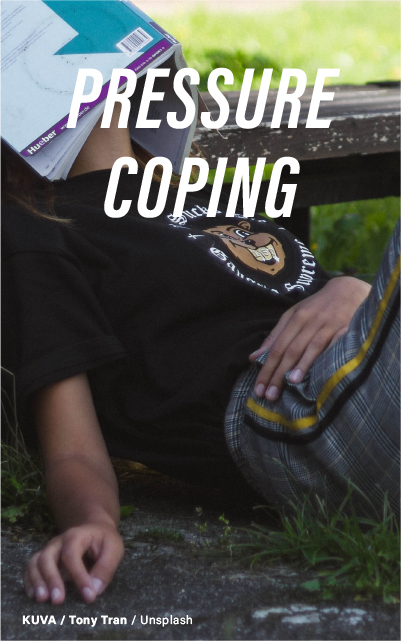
281	358
107	563
35	585
71	557
42	578
298	355
64	555
284	353
316	346
275	333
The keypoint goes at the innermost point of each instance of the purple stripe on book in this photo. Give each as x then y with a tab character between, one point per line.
137	65
167	35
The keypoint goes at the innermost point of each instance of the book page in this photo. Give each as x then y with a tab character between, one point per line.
42	52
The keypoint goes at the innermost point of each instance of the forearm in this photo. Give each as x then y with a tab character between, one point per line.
83	494
80	492
84	500
80	479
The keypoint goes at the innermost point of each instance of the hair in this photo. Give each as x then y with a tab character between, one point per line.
22	185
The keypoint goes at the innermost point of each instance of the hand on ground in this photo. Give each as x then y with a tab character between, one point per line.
64	556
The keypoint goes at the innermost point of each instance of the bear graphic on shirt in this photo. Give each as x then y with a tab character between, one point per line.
258	250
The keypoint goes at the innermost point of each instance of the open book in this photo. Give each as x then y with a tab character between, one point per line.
45	42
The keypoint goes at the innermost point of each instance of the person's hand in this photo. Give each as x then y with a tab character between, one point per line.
305	330
64	556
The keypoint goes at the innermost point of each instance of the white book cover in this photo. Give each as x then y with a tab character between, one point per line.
44	44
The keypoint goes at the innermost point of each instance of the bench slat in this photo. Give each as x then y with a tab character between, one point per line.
365	120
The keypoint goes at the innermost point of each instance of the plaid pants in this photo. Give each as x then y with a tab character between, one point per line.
341	425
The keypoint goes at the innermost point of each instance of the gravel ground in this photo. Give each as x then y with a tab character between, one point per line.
208	595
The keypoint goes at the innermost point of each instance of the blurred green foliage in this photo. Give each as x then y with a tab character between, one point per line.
361	38
353	236
237	63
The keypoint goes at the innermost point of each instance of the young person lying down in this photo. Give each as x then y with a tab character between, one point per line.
133	337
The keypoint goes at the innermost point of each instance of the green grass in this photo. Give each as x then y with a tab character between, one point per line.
361	38
23	497
354	555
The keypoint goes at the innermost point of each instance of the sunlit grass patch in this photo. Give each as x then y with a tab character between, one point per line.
361	38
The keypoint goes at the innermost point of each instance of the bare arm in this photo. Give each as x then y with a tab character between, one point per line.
83	495
103	147
80	480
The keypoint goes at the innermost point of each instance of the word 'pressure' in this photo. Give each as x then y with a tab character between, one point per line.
285	94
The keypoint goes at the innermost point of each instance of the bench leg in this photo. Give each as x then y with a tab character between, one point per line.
298	224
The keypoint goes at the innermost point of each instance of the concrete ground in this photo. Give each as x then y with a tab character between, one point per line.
174	572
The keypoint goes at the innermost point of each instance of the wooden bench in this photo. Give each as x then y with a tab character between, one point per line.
356	158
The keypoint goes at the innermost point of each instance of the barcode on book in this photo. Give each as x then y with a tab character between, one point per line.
134	41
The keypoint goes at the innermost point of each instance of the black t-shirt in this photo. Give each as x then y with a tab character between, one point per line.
162	313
